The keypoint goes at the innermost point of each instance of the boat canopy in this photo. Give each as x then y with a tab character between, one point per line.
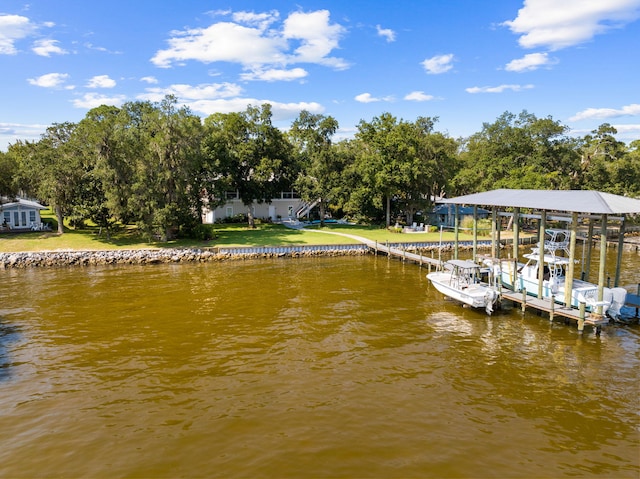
575	201
461	263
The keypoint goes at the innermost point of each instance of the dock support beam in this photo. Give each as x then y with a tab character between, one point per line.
456	231
475	232
603	262
582	309
568	282
516	233
589	248
494	228
541	232
616	281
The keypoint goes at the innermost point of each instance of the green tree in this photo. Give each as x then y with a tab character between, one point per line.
8	174
600	156
249	155
50	169
520	151
320	169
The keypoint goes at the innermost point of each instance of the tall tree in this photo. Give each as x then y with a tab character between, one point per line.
50	169
518	151
311	137
8	175
249	154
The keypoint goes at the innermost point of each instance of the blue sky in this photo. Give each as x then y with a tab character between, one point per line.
463	61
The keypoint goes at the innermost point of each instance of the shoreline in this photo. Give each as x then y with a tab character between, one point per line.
53	259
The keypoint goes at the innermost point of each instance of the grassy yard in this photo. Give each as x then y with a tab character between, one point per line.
224	235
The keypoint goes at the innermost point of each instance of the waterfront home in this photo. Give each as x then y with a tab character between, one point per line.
288	205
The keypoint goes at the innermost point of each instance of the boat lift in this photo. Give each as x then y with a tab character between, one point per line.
570	206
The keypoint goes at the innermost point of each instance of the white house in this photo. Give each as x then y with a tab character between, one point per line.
21	214
287	206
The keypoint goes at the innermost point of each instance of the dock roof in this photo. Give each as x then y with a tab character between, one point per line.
580	201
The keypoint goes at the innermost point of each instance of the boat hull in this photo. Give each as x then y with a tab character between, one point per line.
474	295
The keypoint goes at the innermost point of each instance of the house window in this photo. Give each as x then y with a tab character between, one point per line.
16	218
32	216
7	217
232	195
23	215
229	211
290	208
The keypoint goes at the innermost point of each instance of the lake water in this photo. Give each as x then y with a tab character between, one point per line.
325	367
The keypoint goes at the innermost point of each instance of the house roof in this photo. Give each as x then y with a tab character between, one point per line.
580	201
24	203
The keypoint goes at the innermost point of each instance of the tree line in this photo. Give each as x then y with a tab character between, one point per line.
157	165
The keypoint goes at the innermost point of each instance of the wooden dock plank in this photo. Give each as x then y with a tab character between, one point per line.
559	310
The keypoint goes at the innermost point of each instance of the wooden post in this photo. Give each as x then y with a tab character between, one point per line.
553	307
616	280
603	262
376	248
494	221
589	248
498	230
541	232
583	308
516	232
475	232
456	231
524	299
568	280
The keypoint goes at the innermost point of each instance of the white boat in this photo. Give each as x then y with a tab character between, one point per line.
460	280
553	283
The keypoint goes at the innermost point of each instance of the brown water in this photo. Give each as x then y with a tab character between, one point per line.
334	367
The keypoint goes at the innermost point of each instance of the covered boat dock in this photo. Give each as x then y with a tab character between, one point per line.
574	207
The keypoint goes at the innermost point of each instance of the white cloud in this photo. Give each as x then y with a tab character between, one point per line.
51	80
559	24
602	113
251	41
530	62
101	81
497	89
12	132
438	64
280	111
93	100
45	48
418	96
12	29
205	91
275	75
151	80
387	33
317	37
365	98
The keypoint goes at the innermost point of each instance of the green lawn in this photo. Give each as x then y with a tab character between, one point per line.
225	235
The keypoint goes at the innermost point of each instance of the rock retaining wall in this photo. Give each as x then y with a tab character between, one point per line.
155	256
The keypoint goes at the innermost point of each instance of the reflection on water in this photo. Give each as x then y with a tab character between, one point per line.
301	368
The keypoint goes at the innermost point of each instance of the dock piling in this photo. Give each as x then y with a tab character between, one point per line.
581	316
552	306
524	299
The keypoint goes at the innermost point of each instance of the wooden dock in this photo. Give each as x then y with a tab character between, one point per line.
555	310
